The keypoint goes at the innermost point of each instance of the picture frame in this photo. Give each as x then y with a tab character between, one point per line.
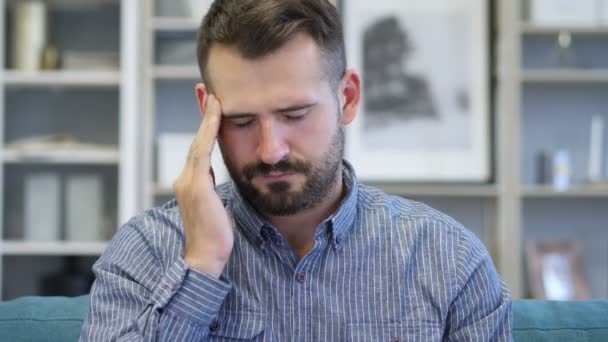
425	107
555	270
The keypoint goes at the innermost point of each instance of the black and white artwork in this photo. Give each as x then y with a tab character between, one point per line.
424	68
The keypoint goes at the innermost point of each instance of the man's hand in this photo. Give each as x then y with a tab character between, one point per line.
207	225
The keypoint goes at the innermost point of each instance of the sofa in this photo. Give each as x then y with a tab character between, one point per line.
60	319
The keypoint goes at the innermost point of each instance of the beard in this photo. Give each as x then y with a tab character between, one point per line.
281	199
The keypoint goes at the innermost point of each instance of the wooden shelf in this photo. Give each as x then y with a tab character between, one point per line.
24	248
565	76
88	157
437	190
546	191
529	28
176	72
62	78
174	24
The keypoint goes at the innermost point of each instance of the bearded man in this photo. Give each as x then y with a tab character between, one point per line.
294	248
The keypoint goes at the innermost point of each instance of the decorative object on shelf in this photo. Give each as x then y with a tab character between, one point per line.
172	153
562	55
85	220
544	168
41	206
50	58
90	60
425	106
555	270
73	280
564	12
596	146
561	170
59	145
29	34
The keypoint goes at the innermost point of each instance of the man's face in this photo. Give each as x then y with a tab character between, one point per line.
281	135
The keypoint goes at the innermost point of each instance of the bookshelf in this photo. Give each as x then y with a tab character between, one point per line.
537	107
95	106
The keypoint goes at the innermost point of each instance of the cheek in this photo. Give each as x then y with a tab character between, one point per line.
237	145
315	135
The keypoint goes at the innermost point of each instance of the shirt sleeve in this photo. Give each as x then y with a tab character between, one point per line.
481	310
137	296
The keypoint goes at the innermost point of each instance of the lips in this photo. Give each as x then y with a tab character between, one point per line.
277	175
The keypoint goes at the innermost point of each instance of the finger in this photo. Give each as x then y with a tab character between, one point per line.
211	123
195	152
200	151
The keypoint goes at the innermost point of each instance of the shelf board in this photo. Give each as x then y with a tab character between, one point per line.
52	248
565	76
88	157
530	28
62	78
176	72
583	191
179	24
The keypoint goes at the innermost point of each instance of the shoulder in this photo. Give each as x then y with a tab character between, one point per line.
401	209
417	221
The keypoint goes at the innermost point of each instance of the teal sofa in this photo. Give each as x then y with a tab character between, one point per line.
59	319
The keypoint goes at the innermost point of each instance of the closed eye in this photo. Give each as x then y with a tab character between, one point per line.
295	116
240	122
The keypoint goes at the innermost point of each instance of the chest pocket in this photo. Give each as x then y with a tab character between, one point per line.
393	332
237	326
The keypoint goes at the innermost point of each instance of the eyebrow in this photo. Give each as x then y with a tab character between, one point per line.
280	110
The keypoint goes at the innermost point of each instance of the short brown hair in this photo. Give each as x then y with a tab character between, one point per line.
260	27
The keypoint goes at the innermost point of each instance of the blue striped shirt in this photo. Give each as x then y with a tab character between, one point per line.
382	268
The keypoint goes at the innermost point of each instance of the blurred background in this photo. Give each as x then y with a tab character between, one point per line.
97	112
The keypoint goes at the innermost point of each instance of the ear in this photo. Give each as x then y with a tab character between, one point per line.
201	92
350	95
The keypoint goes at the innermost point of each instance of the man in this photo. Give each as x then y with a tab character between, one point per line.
294	248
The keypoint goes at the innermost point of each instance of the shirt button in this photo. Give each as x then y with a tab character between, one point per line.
215	326
338	240
301	277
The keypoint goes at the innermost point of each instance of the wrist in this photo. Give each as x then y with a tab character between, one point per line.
210	266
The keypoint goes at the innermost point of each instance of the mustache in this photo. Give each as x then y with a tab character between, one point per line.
261	168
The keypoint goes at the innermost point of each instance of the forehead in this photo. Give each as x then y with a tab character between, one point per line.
290	74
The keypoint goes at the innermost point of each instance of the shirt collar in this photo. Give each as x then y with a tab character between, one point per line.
340	222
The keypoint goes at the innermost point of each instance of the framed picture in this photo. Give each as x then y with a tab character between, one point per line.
555	270
425	104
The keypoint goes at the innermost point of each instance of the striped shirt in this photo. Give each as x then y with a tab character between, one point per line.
382	268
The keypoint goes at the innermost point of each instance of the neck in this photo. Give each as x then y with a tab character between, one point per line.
299	229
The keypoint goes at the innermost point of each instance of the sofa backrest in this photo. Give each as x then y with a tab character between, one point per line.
45	319
537	320
51	319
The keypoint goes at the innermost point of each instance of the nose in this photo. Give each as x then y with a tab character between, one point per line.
271	148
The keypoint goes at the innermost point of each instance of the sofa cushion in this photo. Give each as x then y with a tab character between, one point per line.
60	319
42	318
536	320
